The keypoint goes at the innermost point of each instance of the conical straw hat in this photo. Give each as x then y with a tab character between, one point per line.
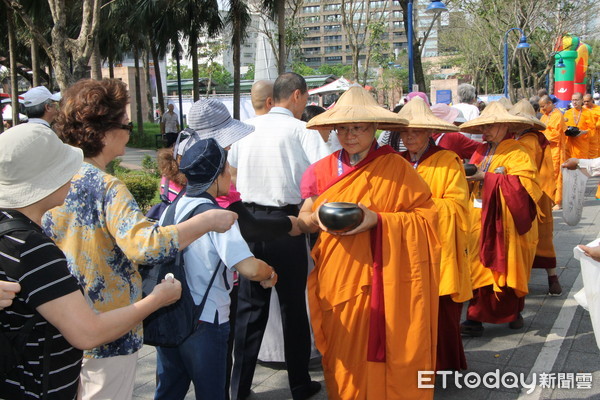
505	102
357	105
419	115
524	109
493	114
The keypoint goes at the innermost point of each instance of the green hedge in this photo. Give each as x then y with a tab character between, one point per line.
142	186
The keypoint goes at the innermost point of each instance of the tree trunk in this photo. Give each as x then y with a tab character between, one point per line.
193	43
111	66
14	90
96	62
35	64
149	98
159	91
138	93
281	30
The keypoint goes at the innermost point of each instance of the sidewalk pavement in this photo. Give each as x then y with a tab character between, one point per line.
556	346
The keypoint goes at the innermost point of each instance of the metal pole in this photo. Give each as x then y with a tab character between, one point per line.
506	63
179	86
410	45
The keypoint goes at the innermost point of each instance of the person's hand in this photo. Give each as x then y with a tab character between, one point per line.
295	231
168	291
8	291
477	176
369	221
269	283
571	163
220	220
593	252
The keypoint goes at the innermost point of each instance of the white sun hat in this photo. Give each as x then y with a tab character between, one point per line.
34	163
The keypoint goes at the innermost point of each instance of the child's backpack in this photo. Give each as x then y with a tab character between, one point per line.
171	325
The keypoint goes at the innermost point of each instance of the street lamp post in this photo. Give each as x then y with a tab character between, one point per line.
522	45
435	7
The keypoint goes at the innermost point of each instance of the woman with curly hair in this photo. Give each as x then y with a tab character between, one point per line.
104	234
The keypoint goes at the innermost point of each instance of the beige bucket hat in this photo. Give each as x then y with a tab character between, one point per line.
496	113
419	115
357	105
524	109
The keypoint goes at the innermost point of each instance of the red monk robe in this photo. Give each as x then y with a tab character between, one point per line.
507	241
444	173
537	146
344	285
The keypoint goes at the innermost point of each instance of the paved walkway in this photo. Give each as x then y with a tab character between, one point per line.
556	346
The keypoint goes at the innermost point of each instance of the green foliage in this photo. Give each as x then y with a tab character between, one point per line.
379	49
186	72
218	74
150	166
114	168
142	186
250	73
302	69
337	70
148	140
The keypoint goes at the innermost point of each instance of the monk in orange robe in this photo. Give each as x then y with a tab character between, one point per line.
373	293
444	173
536	144
582	118
588	102
555	133
503	232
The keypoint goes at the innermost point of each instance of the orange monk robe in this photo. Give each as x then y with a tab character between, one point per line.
339	287
519	250
579	147
444	173
555	133
594	140
545	256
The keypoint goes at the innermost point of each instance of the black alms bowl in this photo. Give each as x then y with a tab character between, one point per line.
340	217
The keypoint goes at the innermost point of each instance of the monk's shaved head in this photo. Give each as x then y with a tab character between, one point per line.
261	95
545	100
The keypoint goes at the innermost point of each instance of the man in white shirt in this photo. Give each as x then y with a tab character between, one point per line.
41	105
170	125
269	164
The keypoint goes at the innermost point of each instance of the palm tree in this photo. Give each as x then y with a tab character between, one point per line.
239	18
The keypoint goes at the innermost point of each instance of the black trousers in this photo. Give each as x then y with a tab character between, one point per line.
289	256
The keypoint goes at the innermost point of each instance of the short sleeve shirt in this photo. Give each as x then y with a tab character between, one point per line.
40	267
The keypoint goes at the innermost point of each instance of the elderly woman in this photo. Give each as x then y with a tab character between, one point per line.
103	232
49	311
374	290
504	232
444	173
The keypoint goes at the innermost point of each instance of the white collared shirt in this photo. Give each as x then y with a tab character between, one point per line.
271	160
38	121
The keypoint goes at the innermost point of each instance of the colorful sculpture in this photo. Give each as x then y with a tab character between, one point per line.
570	67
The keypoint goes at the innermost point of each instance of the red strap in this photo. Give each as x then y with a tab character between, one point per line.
376	343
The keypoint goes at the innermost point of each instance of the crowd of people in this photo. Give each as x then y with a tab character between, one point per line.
456	204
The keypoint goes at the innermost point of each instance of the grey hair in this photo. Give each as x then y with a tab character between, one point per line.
467	93
38	110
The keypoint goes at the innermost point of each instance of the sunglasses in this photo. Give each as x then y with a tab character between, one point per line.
128	127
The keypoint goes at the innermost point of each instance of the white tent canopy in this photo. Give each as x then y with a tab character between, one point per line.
339	85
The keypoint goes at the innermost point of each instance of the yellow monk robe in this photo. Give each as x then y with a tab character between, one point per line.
545	256
579	147
555	133
519	250
340	286
444	173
